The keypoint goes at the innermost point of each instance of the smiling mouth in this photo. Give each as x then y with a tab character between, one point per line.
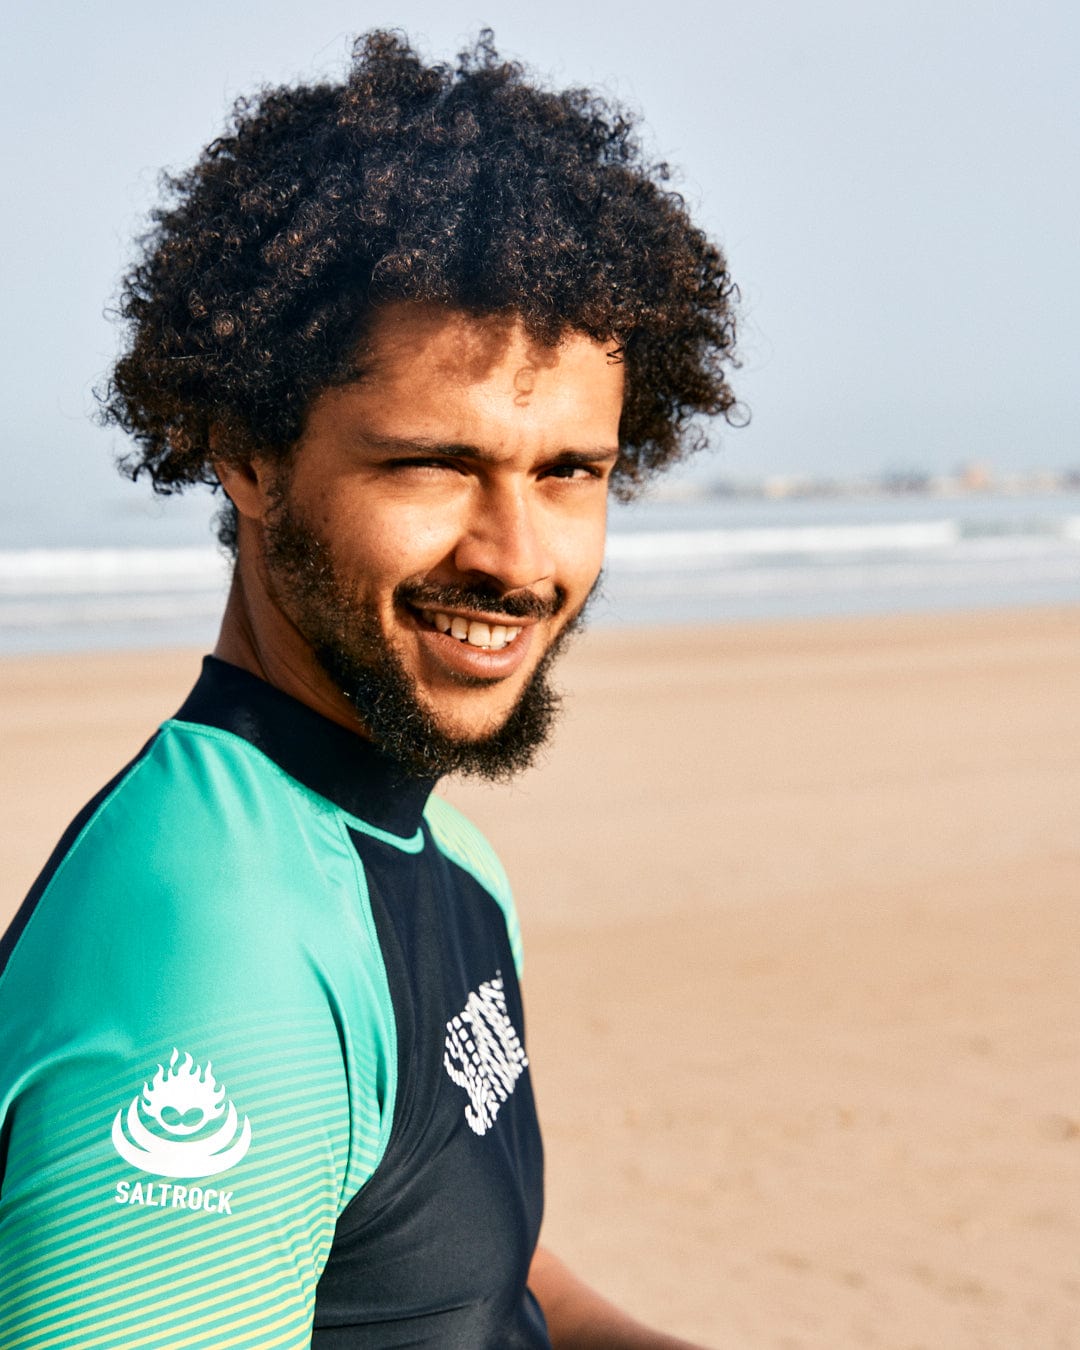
486	637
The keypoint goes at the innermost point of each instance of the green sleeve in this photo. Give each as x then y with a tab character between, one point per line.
196	1063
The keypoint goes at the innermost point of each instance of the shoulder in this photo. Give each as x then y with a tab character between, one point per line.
207	903
458	839
195	862
199	811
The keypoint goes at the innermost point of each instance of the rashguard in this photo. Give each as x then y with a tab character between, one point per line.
263	1078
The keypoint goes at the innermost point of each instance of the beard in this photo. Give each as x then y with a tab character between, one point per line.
348	642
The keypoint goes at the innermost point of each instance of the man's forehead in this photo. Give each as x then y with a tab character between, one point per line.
433	378
454	344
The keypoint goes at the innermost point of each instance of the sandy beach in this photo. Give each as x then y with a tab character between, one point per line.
802	917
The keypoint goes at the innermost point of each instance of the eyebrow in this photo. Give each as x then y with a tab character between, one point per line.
421	445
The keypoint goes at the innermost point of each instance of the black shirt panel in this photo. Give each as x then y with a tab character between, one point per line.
435	1248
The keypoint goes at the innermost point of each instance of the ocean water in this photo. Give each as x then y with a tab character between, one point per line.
717	561
149	574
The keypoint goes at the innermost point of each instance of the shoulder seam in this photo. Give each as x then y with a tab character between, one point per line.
446	823
382	993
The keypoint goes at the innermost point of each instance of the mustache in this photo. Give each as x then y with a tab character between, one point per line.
512	605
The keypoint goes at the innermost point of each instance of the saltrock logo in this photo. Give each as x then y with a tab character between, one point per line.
483	1053
172	1130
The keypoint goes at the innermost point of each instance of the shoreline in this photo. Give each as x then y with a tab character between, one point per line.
712	559
598	621
802	946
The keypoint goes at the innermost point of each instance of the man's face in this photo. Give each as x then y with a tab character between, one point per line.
441	523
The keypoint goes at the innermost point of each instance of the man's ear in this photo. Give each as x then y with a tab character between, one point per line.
246	484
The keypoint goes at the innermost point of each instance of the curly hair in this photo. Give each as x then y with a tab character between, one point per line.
467	187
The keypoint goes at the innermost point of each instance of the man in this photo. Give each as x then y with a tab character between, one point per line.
263	1074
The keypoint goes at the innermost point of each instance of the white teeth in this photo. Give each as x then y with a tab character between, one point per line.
488	637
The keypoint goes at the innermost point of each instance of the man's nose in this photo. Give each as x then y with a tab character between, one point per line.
505	540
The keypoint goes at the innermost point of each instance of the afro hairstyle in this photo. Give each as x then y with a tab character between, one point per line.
465	186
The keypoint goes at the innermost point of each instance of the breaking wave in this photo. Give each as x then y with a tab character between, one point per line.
706	561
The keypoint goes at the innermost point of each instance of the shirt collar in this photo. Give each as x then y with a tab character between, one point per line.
324	756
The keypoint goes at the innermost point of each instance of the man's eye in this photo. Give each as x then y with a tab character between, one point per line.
435	465
571	471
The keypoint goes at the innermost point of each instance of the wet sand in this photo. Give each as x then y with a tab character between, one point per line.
802	917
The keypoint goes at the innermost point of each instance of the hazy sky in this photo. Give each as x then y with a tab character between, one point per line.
895	185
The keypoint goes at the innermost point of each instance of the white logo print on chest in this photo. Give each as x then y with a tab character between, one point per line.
185	1103
483	1053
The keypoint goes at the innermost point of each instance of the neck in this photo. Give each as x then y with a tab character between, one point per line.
259	637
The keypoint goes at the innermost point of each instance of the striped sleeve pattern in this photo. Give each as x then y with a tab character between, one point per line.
195	1073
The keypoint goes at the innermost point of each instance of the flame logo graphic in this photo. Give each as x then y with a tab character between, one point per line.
183	1102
